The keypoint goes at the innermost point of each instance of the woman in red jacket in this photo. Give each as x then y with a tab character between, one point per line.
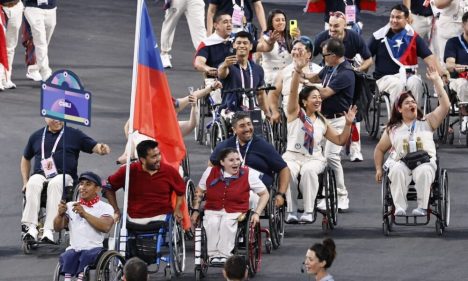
226	189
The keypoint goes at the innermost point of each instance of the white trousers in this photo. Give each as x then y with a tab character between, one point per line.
446	29
332	153
15	17
309	168
392	84
460	86
221	228
33	199
194	11
42	22
400	177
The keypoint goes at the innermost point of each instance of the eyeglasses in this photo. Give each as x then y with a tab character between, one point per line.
306	42
326	55
337	14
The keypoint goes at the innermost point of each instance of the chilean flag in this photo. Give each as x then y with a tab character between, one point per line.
320	6
3	51
154	113
401	46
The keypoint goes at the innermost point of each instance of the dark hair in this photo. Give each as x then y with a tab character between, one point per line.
396	117
287	36
219	14
136	269
307	42
235	267
243	34
465	17
325	251
224	153
144	146
239	115
334	46
401	8
305	93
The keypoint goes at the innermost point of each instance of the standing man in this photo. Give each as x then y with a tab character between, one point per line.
88	220
194	11
41	16
241	12
46	147
422	19
357	52
396	48
449	23
13	10
152	182
456	60
338	80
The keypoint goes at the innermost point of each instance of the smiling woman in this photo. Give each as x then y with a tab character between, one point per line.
319	257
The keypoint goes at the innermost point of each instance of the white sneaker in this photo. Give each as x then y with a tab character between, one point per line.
306	217
343	203
419	212
464	124
9	85
34	75
321	204
32	233
1	86
356	156
292	217
400	212
166	60
47	236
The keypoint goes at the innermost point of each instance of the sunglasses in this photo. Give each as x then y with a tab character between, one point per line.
306	42
337	14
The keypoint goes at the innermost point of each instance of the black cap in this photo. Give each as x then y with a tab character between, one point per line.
91	177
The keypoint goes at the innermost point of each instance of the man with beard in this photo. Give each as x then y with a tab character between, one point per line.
152	182
255	153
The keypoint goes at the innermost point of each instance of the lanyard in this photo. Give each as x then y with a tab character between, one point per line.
325	83
412	130
55	145
242	3
242	75
463	43
243	159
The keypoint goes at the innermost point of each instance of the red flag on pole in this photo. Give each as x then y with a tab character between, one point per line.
3	50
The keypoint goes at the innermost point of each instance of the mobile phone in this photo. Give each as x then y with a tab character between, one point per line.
232	51
292	25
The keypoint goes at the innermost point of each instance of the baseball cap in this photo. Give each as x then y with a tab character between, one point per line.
91	177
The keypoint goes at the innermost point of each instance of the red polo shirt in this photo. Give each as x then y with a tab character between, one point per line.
150	195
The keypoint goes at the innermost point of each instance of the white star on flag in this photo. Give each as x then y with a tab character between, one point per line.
398	44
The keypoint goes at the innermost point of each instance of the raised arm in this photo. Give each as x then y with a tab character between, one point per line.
209	18
341	139
260	12
436	117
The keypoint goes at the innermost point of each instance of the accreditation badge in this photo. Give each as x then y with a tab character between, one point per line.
48	166
350	12
237	15
42	2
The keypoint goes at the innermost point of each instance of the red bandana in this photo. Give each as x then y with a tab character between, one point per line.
89	203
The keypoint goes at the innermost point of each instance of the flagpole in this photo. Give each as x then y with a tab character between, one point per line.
123	230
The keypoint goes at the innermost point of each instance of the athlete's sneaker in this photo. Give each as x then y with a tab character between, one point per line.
34	75
464	125
48	236
419	212
306	217
343	203
9	85
31	234
292	218
356	156
400	212
166	60
321	204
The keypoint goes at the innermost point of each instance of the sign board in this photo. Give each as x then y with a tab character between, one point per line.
64	98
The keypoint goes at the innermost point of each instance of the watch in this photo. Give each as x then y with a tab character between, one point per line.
281	194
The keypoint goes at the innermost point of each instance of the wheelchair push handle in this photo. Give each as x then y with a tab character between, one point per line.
267	87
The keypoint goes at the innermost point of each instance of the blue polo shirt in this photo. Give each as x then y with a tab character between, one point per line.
353	42
233	101
454	49
342	81
33	3
75	141
339	5
226	6
261	156
418	8
384	65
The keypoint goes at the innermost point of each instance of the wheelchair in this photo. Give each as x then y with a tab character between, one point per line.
221	128
276	216
72	194
156	243
458	110
248	244
327	191
207	109
439	204
280	133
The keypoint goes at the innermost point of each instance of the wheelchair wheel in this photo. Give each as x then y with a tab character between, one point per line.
110	266
426	106
443	202
254	242
387	204
268	131
218	133
373	116
276	217
200	133
178	249
331	198
57	275
443	130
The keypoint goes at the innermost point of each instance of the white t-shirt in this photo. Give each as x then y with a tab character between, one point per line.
256	184
82	235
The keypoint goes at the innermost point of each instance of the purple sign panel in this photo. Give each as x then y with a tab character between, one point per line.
66	100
